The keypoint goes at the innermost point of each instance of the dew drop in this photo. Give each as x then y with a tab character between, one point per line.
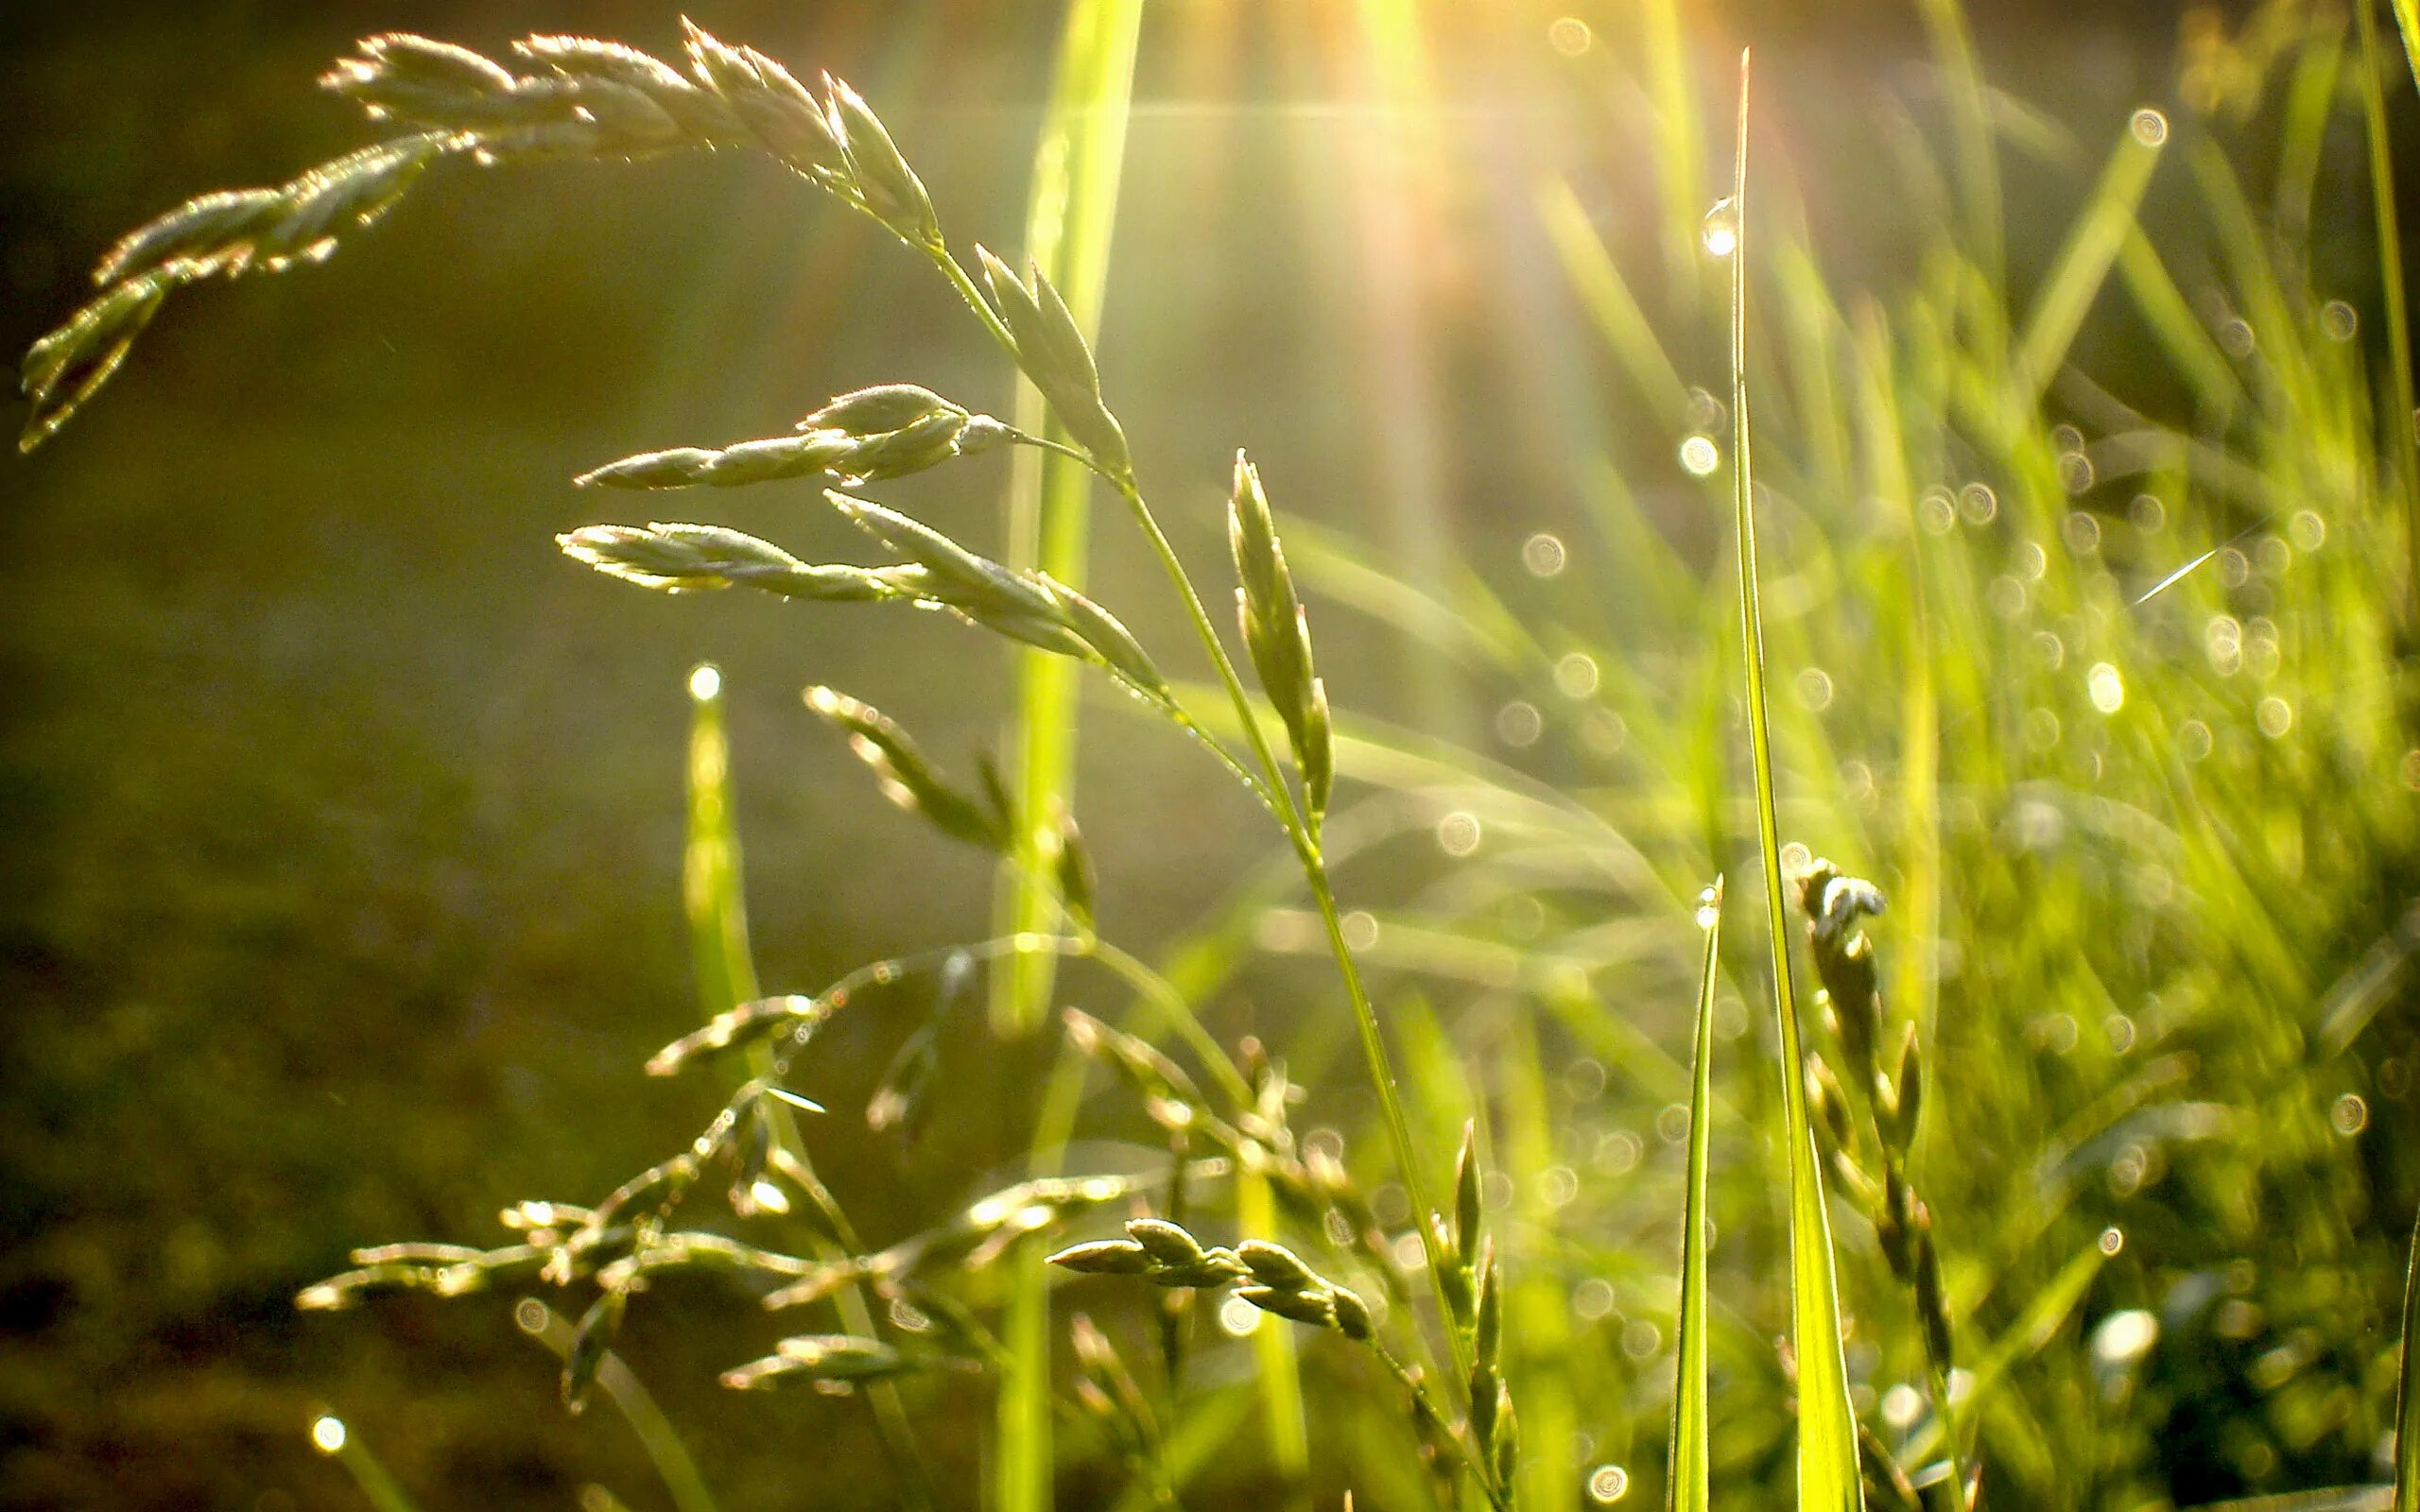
2075	473
2275	717
2113	1239
1978	503
1575	676
2082	532
327	1434
1815	689
1238	1318
1608	1484
2122	1338
1593	1298
1699	456
1710	908
2236	335
2107	689
1360	930
2307	530
1543	554
1519	724
2149	515
1458	833
2349	1115
2340	321
2193	740
1569	36
705	682
2150	127
1721	229
1937	512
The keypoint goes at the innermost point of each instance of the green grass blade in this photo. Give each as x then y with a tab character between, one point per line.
636	1404
2403	445
2406	20
1979	170
711	889
2084	264
1828	1457
1687	1488
715	899
2407	1402
1598	282
1070	215
331	1436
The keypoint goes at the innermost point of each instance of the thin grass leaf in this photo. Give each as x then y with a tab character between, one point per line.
2407	1392
2099	234
335	1438
637	1405
1828	1475
2403	419
711	887
1687	1488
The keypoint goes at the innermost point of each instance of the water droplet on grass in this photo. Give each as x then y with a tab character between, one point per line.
1721	231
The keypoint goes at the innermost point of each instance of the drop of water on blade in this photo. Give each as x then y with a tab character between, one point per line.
1721	229
1709	907
2150	127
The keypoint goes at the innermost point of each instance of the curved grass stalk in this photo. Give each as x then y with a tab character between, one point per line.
1828	1479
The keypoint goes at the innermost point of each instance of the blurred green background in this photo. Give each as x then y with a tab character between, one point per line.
341	818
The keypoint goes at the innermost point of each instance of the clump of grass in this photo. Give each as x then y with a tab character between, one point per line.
2052	744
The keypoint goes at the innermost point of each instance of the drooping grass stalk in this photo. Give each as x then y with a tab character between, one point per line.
1301	832
333	1436
713	894
631	1398
1687	1484
1828	1479
2403	446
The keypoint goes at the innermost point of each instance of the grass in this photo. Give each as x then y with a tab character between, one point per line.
2111	694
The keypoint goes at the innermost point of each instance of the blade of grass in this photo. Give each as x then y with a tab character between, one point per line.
2405	419
1687	1488
716	899
1070	215
1828	1479
2084	264
1970	115
331	1436
710	866
636	1404
2407	1402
